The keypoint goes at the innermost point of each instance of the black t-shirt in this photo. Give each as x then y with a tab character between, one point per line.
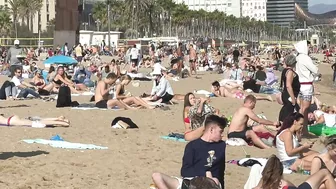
260	75
278	55
334	67
235	53
251	84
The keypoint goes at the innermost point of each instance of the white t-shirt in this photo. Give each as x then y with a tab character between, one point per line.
17	81
134	53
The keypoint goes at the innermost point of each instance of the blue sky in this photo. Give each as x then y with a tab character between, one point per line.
313	2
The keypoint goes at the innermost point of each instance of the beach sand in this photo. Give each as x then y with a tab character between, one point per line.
133	155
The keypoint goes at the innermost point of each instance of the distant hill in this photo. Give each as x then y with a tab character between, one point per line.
322	8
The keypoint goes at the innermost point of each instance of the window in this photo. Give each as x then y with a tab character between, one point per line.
47	8
229	4
48	17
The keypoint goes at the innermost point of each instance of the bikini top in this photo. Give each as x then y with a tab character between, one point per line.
323	166
58	82
39	83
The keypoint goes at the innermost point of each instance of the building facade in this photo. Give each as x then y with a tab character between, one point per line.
230	7
42	18
282	12
254	9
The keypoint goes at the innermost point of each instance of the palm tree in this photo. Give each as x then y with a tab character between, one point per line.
34	7
5	21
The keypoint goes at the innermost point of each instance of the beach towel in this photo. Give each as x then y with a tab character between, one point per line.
236	142
65	144
254	177
175	137
202	92
91	106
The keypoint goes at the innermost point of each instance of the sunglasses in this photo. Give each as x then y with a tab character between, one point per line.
18	72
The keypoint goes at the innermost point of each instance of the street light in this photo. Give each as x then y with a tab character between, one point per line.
98	24
89	19
85	24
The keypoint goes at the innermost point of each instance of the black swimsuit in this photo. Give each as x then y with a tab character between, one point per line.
58	82
323	166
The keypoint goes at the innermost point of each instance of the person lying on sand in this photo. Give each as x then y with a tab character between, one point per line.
220	91
272	177
238	127
102	97
36	123
204	154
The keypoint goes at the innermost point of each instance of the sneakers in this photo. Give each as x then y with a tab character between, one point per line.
37	124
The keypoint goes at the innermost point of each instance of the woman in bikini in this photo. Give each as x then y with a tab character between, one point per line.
326	160
38	81
272	178
34	122
61	80
193	121
128	99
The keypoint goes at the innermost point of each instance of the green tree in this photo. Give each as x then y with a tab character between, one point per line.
5	21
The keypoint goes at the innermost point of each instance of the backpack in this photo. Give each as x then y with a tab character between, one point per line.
64	97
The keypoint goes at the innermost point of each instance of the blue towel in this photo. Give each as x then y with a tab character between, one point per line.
66	145
175	136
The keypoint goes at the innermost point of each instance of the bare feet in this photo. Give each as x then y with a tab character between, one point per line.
269	98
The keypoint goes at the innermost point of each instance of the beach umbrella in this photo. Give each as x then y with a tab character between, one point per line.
60	59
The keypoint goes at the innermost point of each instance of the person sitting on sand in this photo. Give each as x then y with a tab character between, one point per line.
24	87
327	159
128	99
193	120
36	122
291	153
61	79
204	154
39	82
272	178
238	127
162	89
220	91
102	97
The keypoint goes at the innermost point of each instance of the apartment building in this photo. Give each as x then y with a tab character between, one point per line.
254	9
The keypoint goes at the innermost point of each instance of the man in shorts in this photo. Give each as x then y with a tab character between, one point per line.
238	127
102	97
206	154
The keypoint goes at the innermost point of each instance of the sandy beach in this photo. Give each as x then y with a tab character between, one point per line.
132	155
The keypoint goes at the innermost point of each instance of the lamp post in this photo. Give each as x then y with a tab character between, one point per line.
85	24
89	19
98	24
109	24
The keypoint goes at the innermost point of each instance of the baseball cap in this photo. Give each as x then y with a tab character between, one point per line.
16	42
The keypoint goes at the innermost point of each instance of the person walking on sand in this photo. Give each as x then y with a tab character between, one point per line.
238	127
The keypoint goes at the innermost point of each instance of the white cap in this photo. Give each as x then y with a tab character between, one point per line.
16	42
157	71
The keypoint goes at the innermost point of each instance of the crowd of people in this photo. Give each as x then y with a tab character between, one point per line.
204	155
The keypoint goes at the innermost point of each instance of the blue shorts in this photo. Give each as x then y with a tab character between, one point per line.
288	163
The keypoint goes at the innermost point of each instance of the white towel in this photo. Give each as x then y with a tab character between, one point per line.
202	92
254	177
64	144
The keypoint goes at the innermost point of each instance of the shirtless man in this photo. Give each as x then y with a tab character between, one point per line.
192	59
238	127
220	91
102	97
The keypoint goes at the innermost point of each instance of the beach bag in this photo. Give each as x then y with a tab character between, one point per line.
124	122
64	97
